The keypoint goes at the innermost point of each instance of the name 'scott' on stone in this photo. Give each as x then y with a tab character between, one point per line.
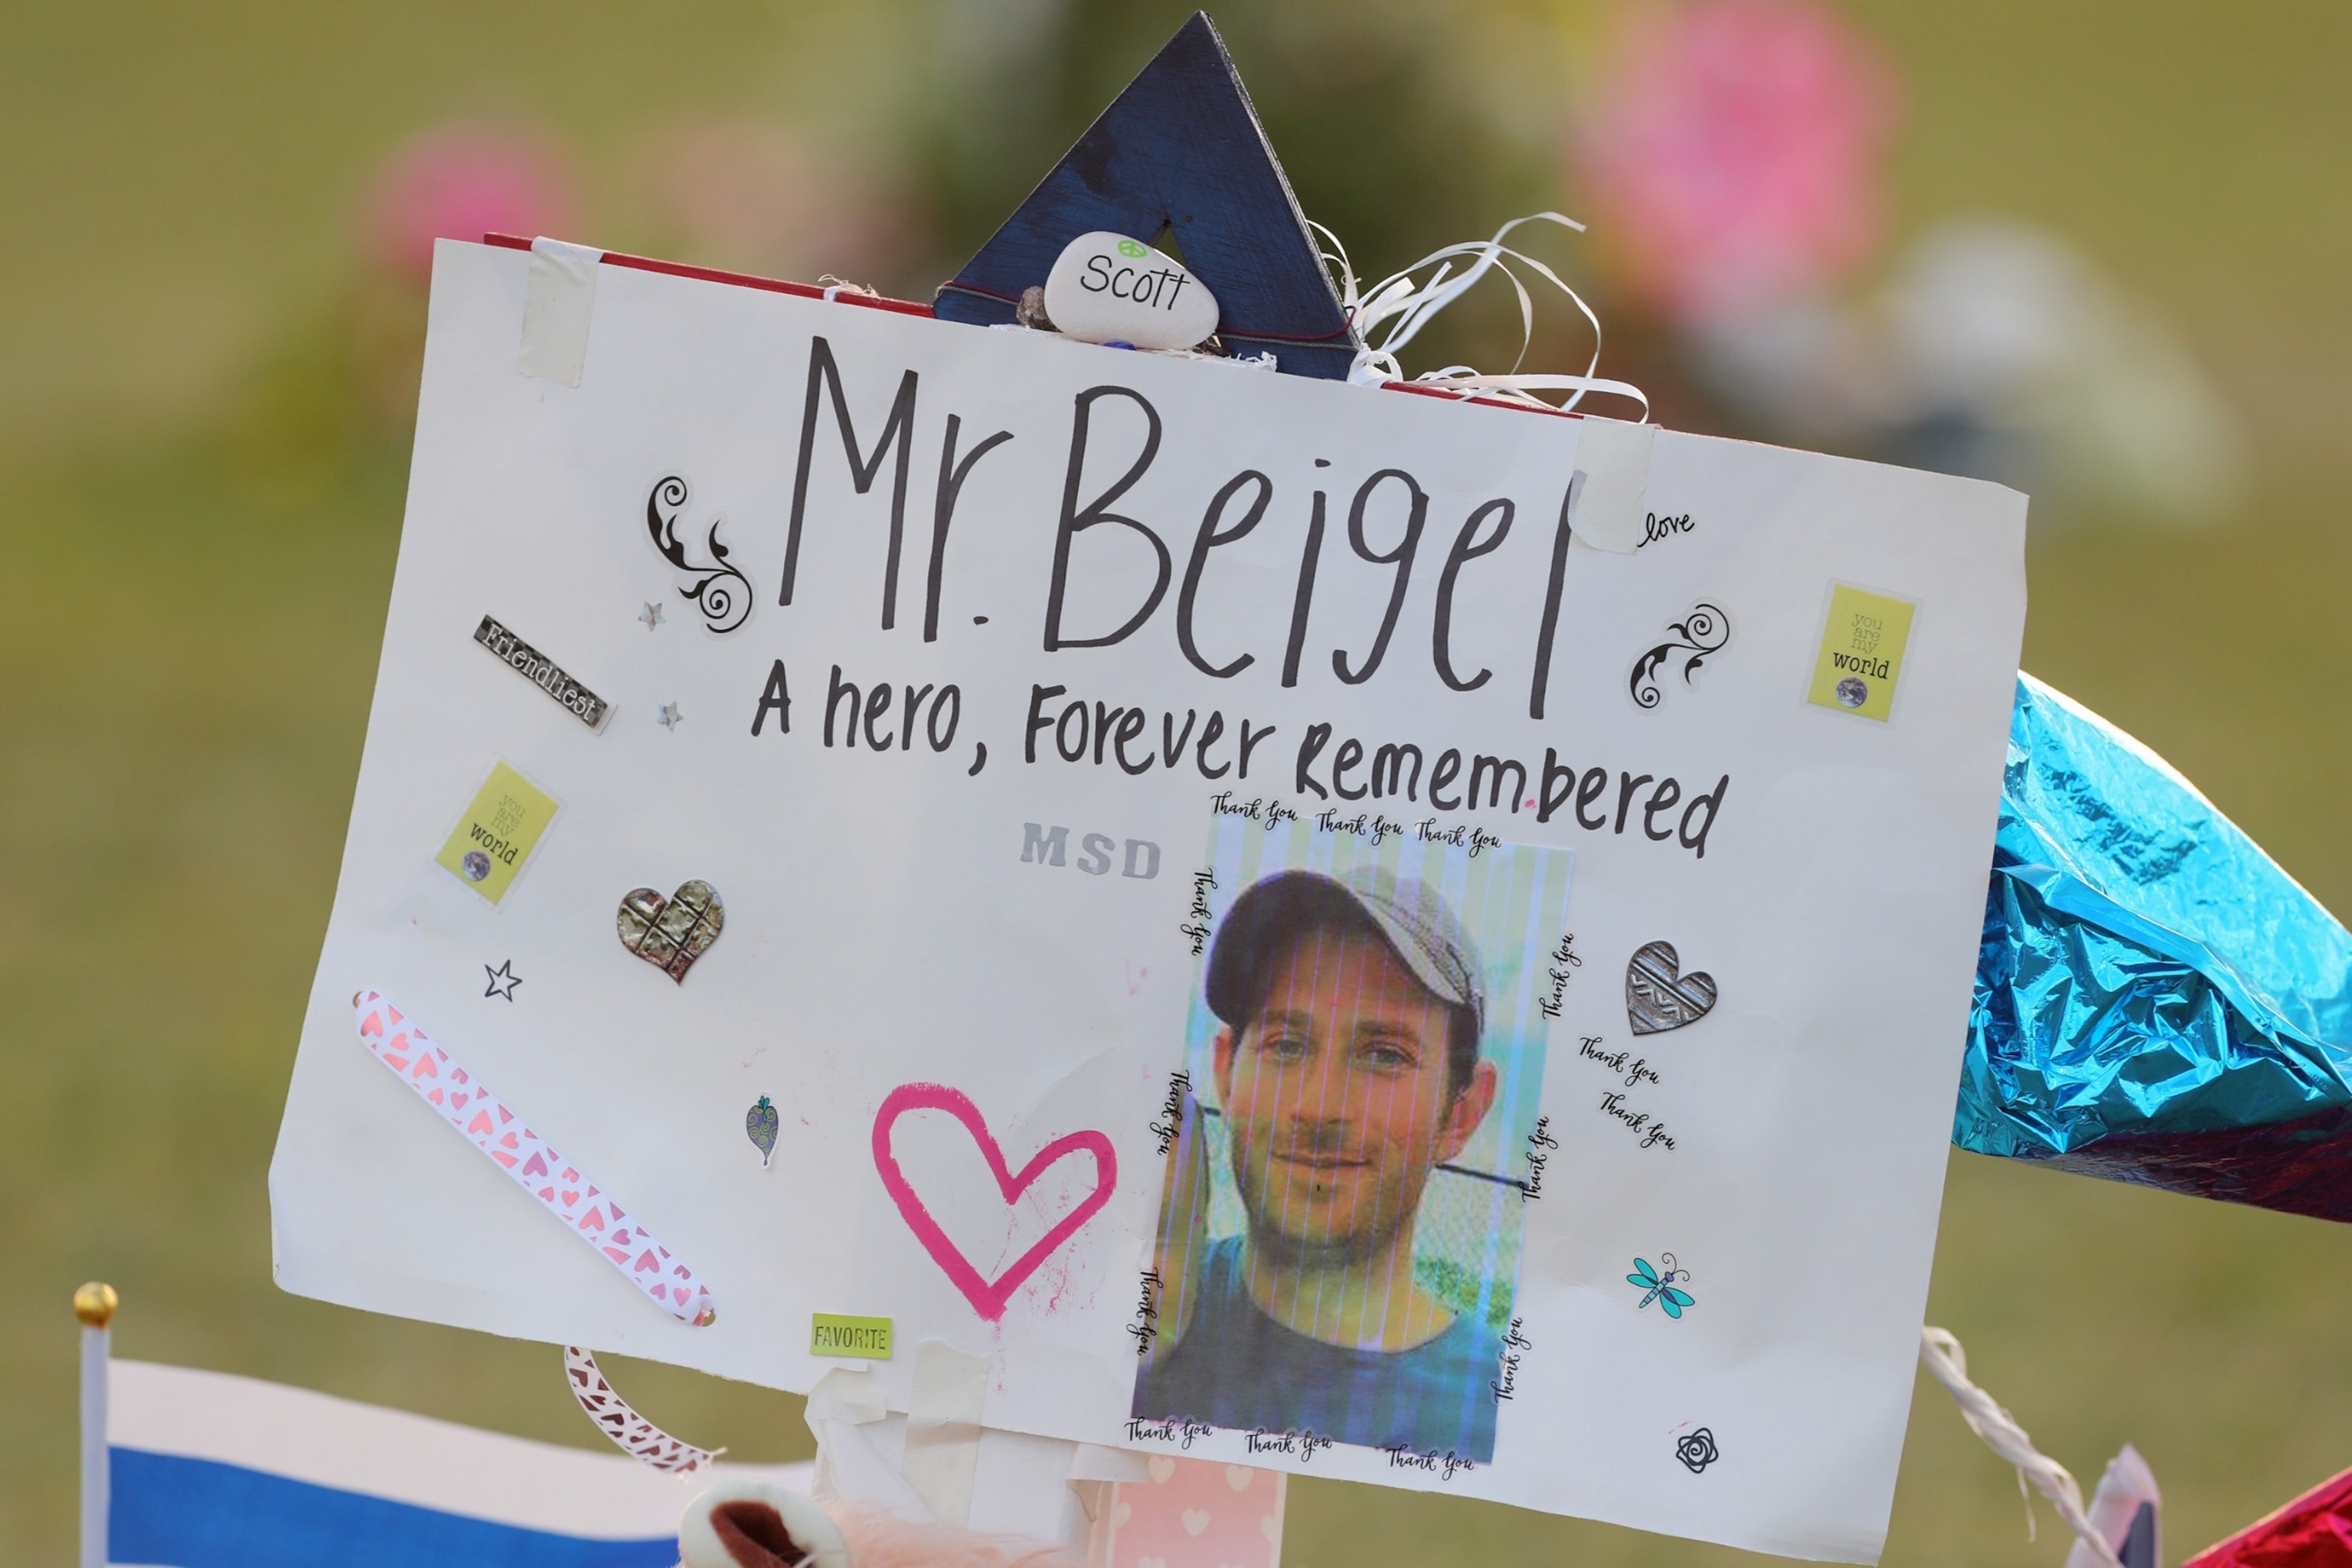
1107	288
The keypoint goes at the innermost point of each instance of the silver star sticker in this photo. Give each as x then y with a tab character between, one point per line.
652	617
503	980
670	717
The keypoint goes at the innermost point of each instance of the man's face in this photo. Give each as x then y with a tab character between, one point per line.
1335	1098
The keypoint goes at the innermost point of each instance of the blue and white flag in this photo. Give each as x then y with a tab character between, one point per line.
214	1471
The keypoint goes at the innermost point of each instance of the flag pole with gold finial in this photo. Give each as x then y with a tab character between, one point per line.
94	1305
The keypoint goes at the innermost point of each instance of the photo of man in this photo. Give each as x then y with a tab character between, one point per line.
1349	1014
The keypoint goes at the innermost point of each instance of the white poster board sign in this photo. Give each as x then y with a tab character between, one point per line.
1044	721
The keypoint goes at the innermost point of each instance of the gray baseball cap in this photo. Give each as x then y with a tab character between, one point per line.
1412	916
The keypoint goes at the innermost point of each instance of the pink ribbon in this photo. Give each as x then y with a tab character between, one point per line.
489	1125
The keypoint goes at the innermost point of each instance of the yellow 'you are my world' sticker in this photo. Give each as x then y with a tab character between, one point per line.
1861	657
497	833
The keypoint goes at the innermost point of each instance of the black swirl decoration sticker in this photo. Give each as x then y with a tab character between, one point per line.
1697	637
721	591
1697	1451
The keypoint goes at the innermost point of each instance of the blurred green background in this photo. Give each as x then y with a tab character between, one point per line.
207	355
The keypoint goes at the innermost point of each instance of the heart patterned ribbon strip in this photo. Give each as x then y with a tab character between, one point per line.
494	1128
638	1437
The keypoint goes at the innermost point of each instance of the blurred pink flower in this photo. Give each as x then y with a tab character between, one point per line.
1732	151
757	196
461	181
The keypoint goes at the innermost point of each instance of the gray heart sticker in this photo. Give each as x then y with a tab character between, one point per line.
1659	996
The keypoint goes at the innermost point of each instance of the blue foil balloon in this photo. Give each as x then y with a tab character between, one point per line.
2156	1001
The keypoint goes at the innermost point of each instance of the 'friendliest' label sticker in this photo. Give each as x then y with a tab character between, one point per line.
544	673
498	832
1862	652
831	1334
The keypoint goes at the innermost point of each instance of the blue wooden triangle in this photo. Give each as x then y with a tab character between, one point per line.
2139	1548
1181	147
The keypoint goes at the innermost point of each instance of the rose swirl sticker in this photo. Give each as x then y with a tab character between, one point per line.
717	589
588	1211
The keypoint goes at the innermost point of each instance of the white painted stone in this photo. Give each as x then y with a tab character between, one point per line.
1107	288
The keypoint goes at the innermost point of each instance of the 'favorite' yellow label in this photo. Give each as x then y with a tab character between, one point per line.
831	1334
1862	652
497	833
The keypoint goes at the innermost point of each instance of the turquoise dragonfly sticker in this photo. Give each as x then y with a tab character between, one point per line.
1660	1284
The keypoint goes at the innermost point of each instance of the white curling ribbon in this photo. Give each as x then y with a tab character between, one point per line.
1942	1356
1399	305
493	1127
617	1419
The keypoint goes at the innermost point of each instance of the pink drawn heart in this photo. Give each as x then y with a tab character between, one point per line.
988	1297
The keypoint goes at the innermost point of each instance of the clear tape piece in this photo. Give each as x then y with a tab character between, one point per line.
558	302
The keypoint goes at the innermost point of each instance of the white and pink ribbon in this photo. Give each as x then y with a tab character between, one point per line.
638	1437
491	1126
